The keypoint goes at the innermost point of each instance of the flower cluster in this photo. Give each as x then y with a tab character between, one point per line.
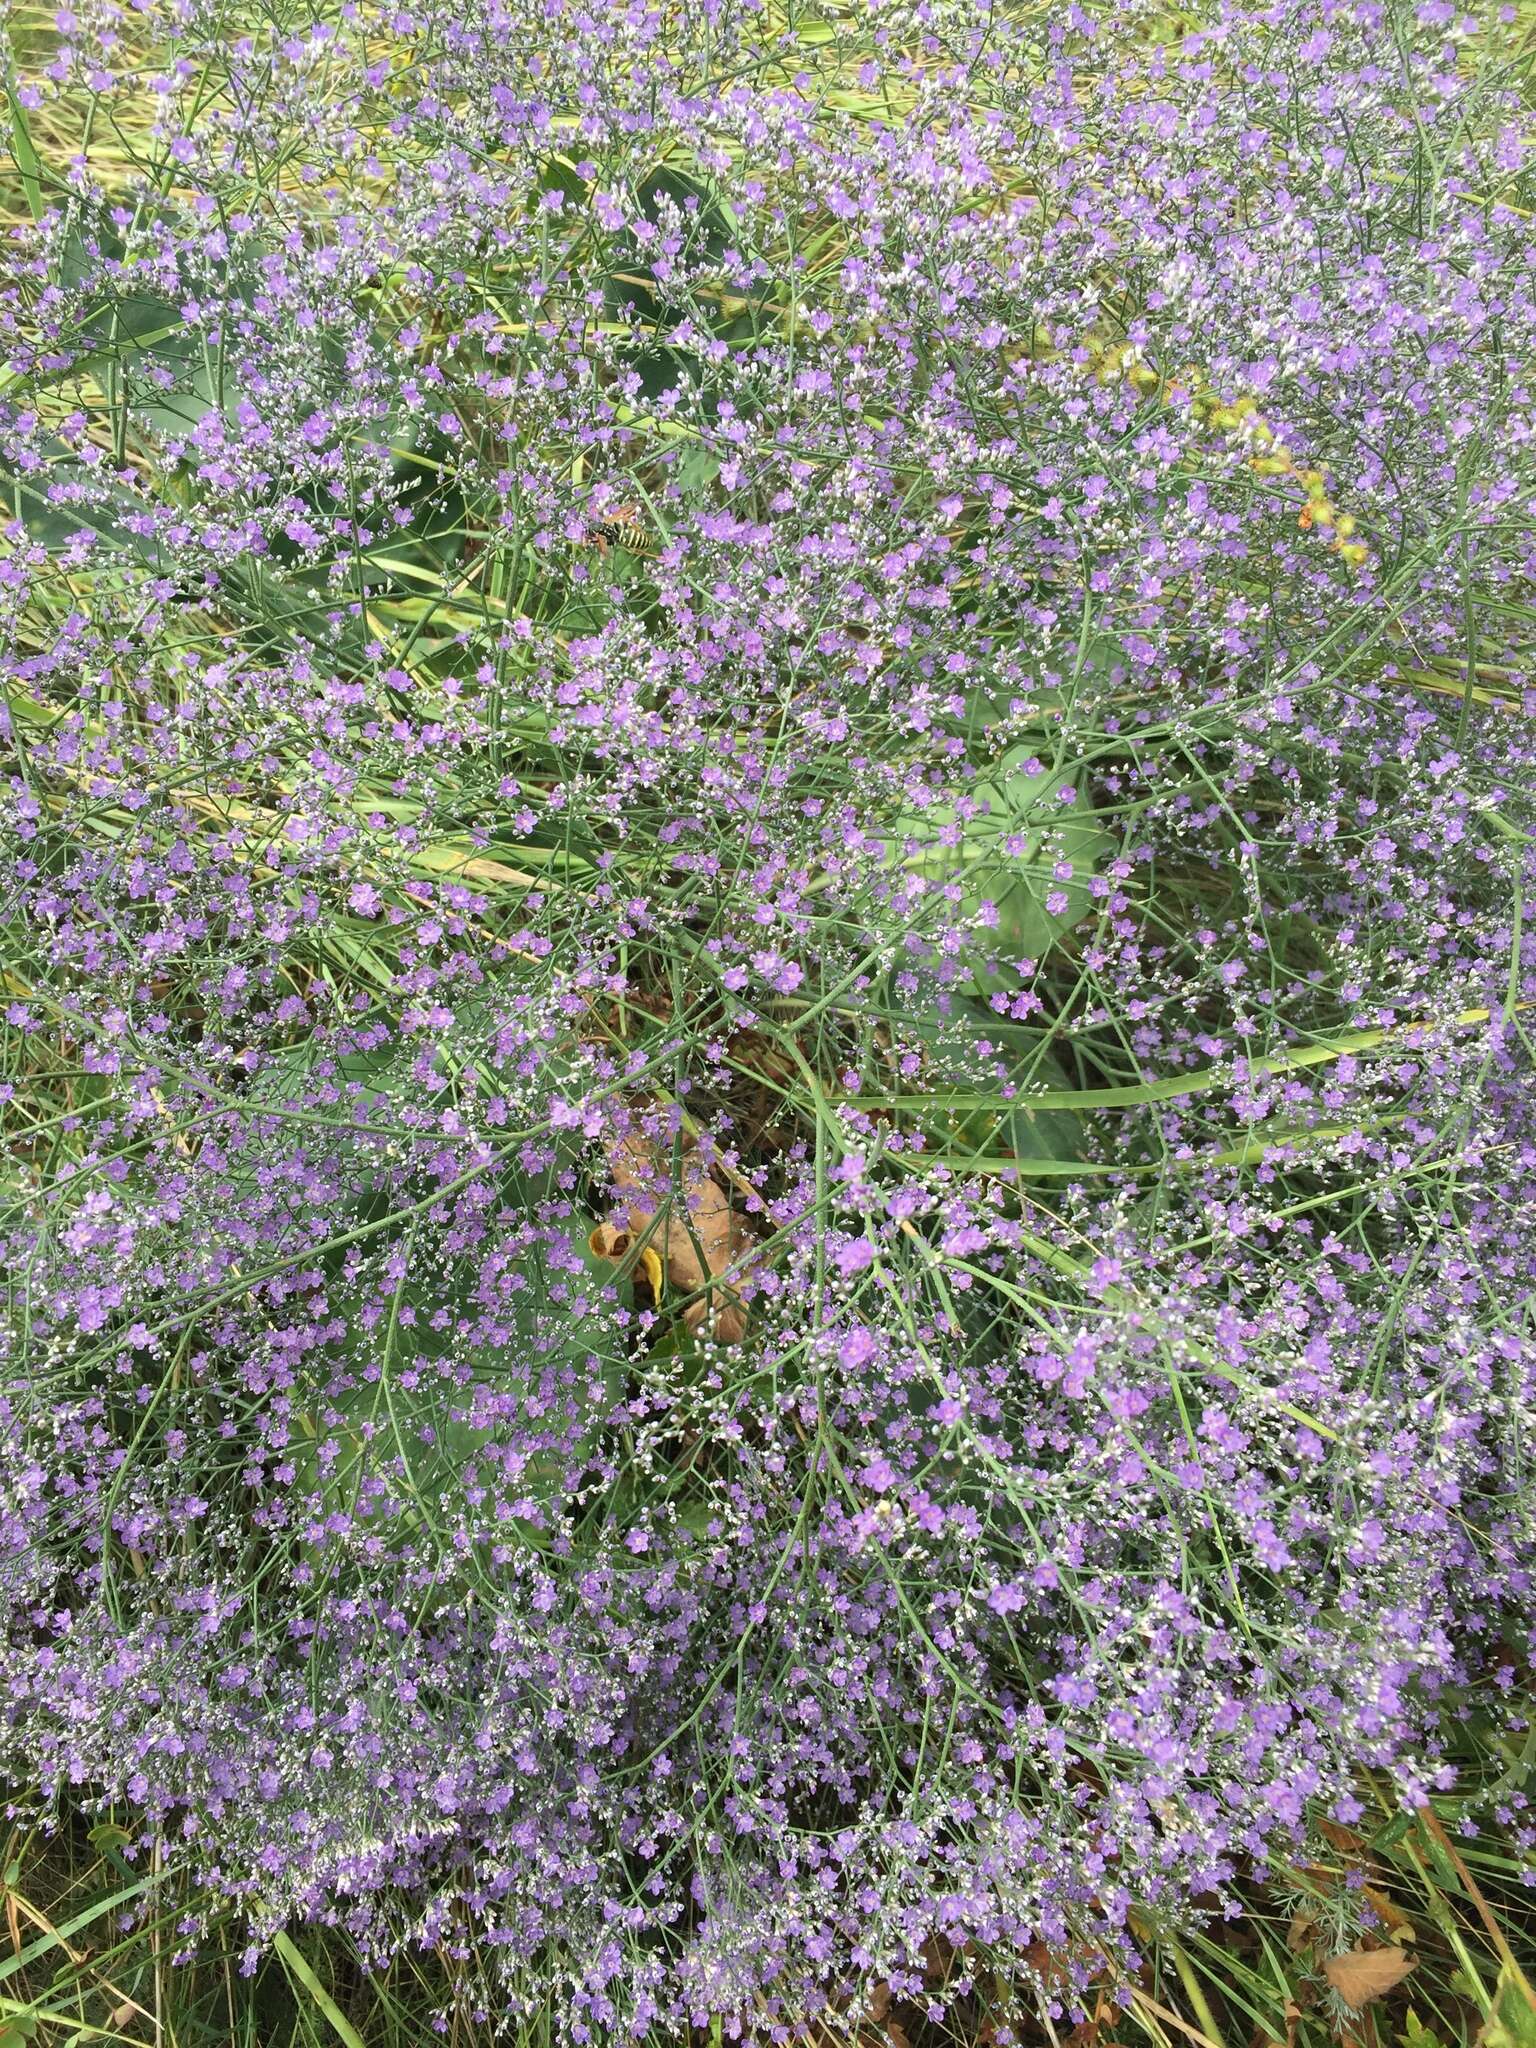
770	819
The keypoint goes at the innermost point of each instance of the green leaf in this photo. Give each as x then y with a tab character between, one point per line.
971	1122
1512	2023
1021	823
1416	2035
28	166
298	1966
694	469
429	1427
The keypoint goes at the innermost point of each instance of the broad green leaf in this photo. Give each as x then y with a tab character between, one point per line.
1512	2023
541	1339
984	1122
1010	844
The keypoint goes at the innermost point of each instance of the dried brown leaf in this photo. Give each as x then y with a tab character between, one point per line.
1342	1838
1302	1928
607	1241
1361	1974
1389	1913
938	1958
695	1218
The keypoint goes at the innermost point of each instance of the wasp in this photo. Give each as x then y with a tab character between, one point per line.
622	528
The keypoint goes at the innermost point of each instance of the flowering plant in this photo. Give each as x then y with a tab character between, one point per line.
769	807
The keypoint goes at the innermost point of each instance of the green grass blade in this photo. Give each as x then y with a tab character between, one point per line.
295	1962
24	154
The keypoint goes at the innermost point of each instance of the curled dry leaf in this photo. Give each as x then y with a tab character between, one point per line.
693	1234
1302	1929
1392	1917
1361	1974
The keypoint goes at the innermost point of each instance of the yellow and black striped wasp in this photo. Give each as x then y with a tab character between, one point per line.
625	527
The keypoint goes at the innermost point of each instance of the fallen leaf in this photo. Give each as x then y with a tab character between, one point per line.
702	1221
1361	1974
1300	1933
1087	2033
609	1242
1391	1915
938	1957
